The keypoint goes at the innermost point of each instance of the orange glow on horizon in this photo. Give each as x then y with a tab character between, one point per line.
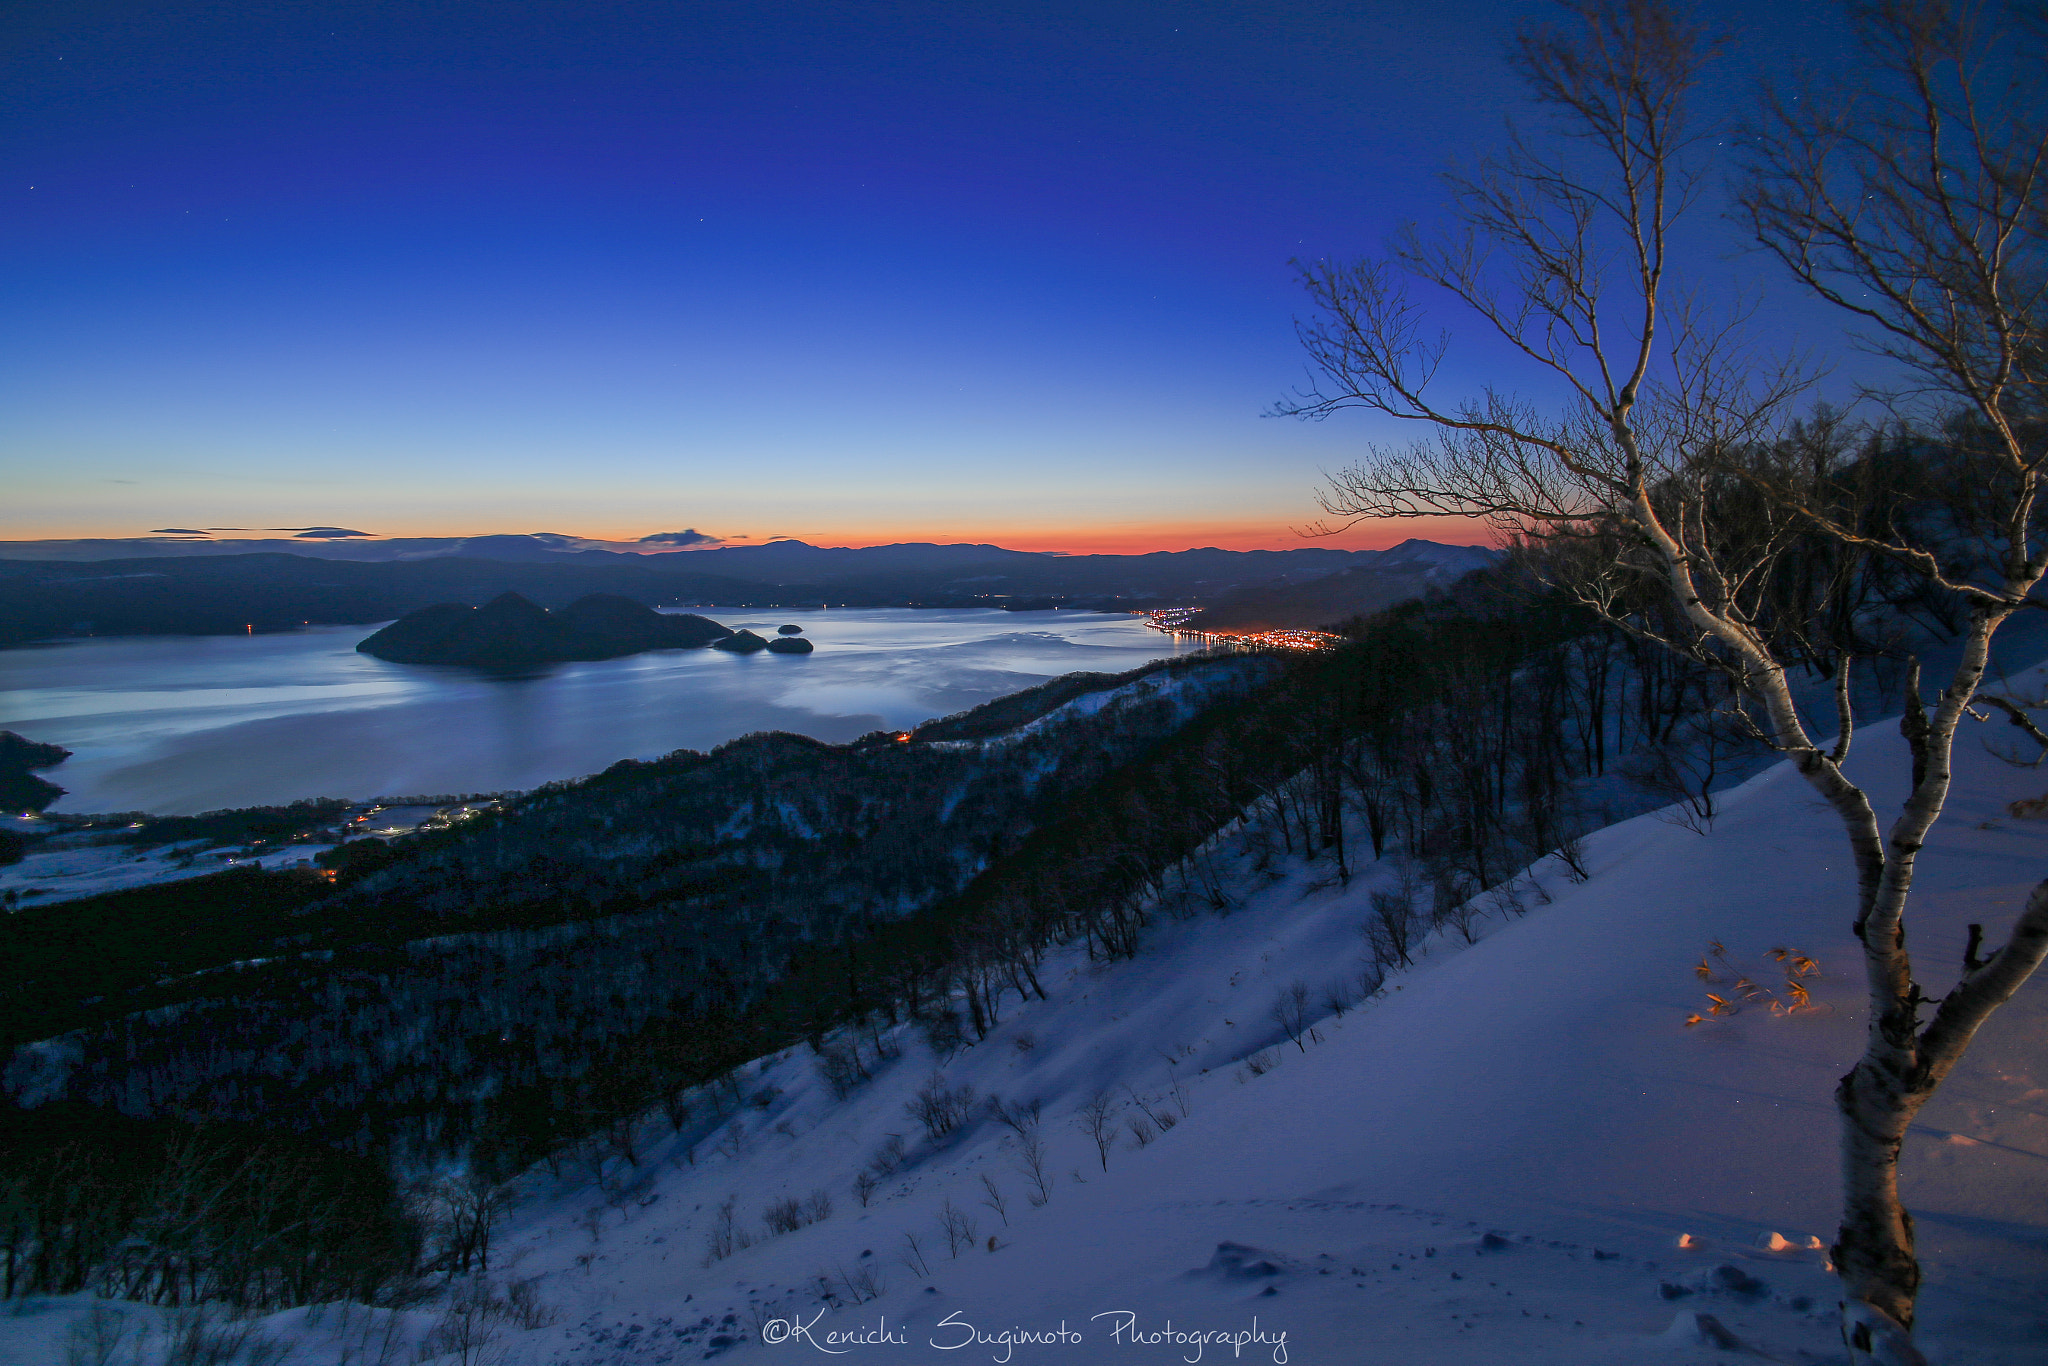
1102	538
1139	538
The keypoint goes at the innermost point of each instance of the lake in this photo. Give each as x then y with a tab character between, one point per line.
179	724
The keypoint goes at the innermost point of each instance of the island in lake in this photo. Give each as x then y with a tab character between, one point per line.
511	630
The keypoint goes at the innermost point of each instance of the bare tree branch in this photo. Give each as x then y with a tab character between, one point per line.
1667	491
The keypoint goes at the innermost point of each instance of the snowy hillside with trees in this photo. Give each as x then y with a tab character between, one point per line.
1343	1006
1520	1148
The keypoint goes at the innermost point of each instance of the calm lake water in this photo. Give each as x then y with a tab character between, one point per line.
178	724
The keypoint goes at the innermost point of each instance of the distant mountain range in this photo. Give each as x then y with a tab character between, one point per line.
208	587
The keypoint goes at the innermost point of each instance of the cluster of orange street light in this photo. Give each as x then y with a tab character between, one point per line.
1173	621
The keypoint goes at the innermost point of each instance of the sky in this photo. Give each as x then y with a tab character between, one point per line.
851	272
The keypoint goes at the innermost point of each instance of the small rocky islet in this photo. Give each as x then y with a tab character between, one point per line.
511	630
740	643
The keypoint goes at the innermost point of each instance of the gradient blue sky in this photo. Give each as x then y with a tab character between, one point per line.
851	272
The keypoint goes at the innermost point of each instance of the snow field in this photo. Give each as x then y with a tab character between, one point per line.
1517	1152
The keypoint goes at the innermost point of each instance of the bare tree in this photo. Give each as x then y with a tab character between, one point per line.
912	1255
1098	1120
1916	205
1022	1119
958	1227
1391	930
464	1211
941	1109
994	1199
1290	1012
1031	1162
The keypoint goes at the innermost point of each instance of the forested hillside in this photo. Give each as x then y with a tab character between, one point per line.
529	985
409	1003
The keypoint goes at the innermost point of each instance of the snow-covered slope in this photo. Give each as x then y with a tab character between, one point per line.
1518	1151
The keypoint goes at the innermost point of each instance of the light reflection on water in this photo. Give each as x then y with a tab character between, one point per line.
179	724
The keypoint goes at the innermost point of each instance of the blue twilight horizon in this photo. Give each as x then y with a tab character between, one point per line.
853	273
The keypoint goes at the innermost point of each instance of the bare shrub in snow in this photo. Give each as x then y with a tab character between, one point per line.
197	1335
1020	1118
726	1236
524	1306
941	1109
1506	899
1142	1131
994	1199
1290	1012
957	1225
1572	854
1452	900
888	1157
1031	1162
734	1144
865	1282
1097	1119
466	1334
1682	771
1260	1063
1390	932
95	1339
789	1214
783	1216
912	1255
468	1331
943	1033
864	1186
840	1066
